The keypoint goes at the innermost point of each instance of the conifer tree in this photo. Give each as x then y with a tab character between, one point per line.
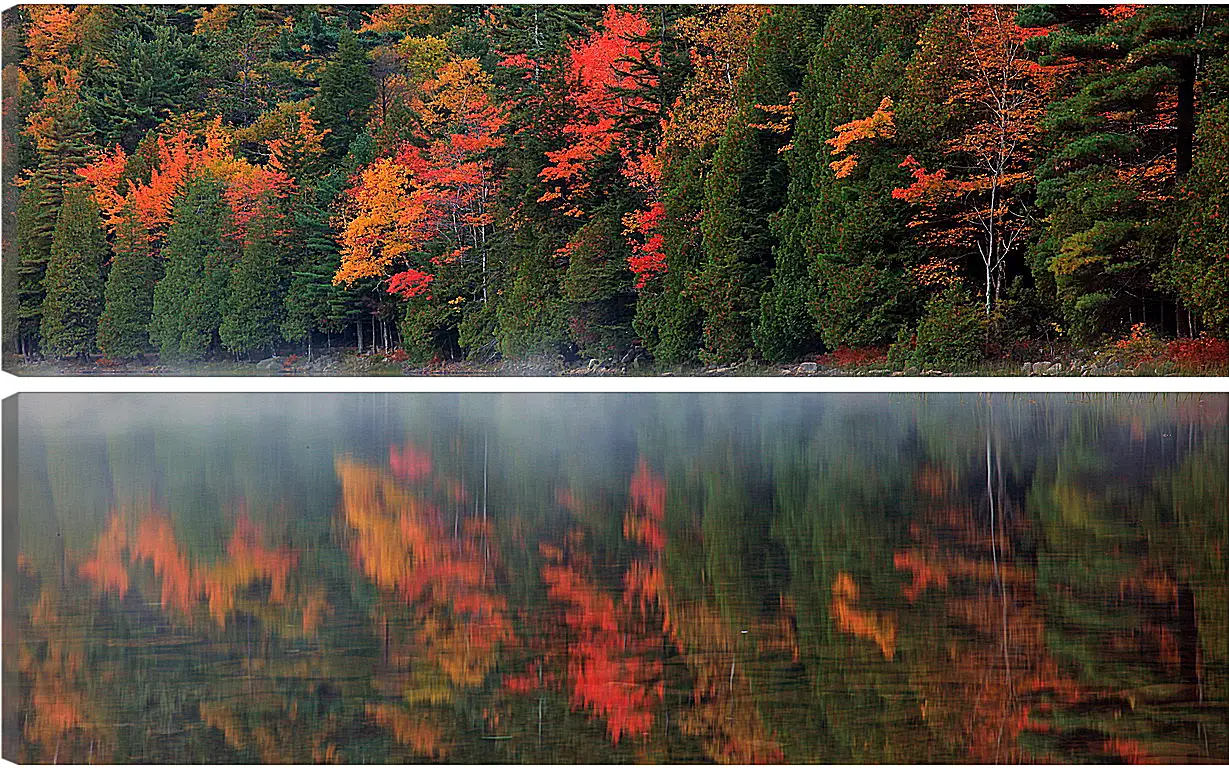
843	241
347	90
254	301
188	299
33	245
143	82
748	183
1110	175
123	329
74	277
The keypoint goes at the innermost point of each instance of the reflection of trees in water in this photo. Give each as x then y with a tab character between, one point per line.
972	584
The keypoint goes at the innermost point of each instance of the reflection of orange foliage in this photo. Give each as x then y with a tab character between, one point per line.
402	543
865	624
248	562
107	568
155	541
414	730
923	574
184	582
930	572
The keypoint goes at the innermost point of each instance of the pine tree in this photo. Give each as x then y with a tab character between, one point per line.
188	299
74	277
144	82
1198	272
347	90
123	329
254	302
1106	184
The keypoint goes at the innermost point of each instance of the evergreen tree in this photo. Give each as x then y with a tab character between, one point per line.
254	302
748	184
74	277
843	243
347	90
60	131
598	288
188	299
33	245
149	76
1198	273
123	329
1107	182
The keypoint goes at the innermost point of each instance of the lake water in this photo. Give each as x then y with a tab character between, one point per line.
616	578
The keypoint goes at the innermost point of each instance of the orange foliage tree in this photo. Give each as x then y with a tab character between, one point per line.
978	199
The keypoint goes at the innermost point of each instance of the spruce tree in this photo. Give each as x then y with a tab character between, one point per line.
74	283
123	329
347	90
598	287
747	186
61	138
188	299
254	301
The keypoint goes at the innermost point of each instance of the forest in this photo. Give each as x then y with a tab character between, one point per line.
675	184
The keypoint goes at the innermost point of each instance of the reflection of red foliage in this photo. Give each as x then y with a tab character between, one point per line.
648	508
607	666
409	463
865	624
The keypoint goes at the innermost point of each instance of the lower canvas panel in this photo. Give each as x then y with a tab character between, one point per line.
603	578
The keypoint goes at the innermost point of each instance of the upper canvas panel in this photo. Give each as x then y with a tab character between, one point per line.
743	189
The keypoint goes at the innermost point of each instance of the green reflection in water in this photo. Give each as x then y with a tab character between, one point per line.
611	578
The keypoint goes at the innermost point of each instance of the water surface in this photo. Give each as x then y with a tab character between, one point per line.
613	578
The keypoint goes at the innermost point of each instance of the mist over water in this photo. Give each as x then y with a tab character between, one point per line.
550	578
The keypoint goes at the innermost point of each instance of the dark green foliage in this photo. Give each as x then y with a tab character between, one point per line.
1199	271
950	333
669	319
747	185
1106	185
347	89
123	329
844	247
597	287
188	300
149	76
532	314
253	309
74	277
312	302
33	246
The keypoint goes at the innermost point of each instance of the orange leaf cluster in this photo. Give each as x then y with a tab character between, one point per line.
879	125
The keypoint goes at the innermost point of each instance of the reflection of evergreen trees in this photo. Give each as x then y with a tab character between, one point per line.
601	579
